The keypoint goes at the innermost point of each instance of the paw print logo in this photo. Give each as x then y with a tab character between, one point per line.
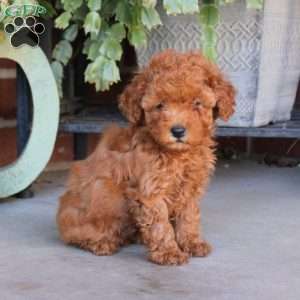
24	31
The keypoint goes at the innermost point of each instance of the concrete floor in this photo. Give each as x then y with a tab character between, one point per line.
251	215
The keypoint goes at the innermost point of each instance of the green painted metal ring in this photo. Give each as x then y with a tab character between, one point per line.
21	173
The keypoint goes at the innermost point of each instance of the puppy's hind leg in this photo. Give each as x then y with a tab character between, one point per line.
68	217
98	225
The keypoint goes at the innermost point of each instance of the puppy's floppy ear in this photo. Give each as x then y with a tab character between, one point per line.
225	96
223	90
130	100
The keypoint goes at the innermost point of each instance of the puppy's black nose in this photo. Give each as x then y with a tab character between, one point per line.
178	131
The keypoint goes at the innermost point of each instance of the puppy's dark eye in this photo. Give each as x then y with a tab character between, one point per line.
197	103
159	106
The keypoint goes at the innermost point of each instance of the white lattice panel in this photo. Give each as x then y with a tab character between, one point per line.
242	36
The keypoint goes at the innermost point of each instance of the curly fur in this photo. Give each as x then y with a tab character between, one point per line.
141	183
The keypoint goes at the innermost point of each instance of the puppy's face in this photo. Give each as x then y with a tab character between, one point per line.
177	97
178	110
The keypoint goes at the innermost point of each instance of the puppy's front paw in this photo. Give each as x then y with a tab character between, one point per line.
171	257
200	249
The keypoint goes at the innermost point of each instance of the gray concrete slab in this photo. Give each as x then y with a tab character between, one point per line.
251	215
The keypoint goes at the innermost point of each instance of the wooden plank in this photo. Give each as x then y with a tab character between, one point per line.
260	132
87	124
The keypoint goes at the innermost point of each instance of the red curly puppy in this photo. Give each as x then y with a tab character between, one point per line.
144	182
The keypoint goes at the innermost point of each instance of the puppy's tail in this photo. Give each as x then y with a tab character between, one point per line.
115	138
109	136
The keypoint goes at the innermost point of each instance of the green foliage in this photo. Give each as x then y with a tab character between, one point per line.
174	7
116	31
71	5
209	19
71	33
111	48
57	69
257	4
106	23
62	22
63	52
150	17
92	23
209	35
94	5
102	72
124	13
149	3
137	35
209	15
93	49
224	2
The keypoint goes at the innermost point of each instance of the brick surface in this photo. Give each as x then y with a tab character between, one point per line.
7	90
6	63
7	98
8	150
63	148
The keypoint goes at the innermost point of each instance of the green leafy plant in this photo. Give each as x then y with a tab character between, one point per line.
107	22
